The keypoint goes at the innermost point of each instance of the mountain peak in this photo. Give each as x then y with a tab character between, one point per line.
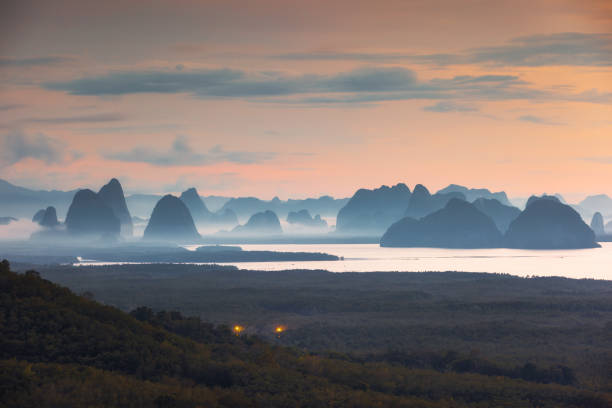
190	193
597	224
196	206
420	189
265	222
112	195
89	214
171	220
535	198
548	224
49	218
458	225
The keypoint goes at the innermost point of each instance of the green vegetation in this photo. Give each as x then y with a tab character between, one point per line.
151	254
60	349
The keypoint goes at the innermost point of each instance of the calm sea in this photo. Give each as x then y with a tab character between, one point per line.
593	263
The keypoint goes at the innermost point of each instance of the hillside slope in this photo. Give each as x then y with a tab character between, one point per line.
60	349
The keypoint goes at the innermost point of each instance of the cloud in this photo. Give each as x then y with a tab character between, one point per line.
469	79
538	120
599	159
592	95
362	85
568	49
441	59
466	87
445	107
333	56
10	106
234	83
368	80
182	154
16	146
220	154
96	118
32	62
129	82
21	229
148	128
550	49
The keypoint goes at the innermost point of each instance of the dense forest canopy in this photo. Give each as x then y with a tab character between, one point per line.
61	349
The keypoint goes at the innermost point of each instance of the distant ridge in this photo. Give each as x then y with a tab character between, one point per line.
24	202
244	207
472	194
597	224
265	222
592	204
304	218
197	208
501	214
373	211
202	216
423	203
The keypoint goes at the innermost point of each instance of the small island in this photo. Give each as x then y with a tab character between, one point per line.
203	254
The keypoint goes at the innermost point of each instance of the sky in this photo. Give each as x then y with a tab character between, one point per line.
304	98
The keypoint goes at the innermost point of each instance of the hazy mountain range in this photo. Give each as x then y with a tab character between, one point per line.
401	216
22	202
545	223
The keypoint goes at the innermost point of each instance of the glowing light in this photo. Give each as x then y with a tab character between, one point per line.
238	329
279	329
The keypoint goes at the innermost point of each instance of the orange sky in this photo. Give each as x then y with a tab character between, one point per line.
296	99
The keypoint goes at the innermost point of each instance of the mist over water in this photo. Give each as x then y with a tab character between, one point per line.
18	230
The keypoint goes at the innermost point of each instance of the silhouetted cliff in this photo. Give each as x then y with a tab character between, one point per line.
37	218
244	207
304	218
261	223
89	215
472	194
597	224
373	211
49	218
171	221
112	195
535	198
458	225
548	224
423	202
202	215
196	206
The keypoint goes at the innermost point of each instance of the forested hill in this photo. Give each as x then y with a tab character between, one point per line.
60	349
